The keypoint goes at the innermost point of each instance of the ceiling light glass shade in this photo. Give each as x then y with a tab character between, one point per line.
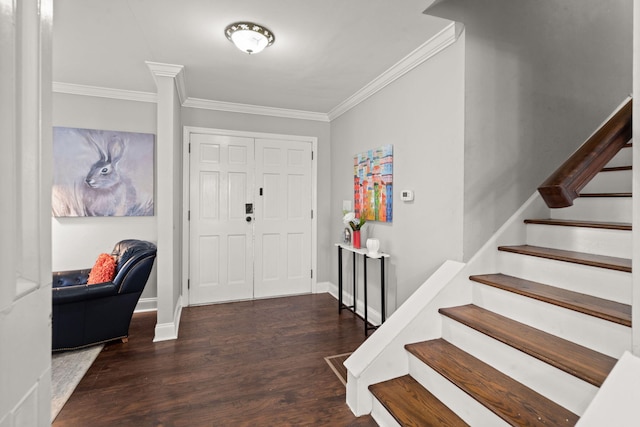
249	37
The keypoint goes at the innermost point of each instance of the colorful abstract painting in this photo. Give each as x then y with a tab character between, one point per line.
373	184
102	173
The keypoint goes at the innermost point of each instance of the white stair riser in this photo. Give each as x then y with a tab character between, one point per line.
622	158
466	407
381	416
582	239
612	209
553	383
600	282
600	335
610	182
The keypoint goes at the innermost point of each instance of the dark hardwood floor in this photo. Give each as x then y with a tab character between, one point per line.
253	363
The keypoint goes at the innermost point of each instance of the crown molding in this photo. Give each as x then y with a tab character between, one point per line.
232	107
103	92
170	70
446	37
205	104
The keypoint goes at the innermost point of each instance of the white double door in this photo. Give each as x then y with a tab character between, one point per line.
250	218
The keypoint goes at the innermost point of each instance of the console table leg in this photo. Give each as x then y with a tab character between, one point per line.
355	286
339	279
364	275
383	307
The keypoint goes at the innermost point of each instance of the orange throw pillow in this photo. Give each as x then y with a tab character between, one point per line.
103	270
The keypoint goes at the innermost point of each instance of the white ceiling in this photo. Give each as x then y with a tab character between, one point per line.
324	52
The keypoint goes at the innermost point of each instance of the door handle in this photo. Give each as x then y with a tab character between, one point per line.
248	219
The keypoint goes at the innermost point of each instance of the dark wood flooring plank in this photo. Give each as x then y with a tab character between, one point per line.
603	309
593	260
253	363
507	398
565	355
412	405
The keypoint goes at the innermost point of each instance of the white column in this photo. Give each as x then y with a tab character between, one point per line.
168	204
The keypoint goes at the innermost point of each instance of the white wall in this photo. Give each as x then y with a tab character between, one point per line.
421	114
540	77
76	242
284	126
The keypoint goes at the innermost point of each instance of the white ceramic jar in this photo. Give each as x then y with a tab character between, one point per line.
373	246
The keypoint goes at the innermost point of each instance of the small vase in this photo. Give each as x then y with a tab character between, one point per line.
373	246
355	237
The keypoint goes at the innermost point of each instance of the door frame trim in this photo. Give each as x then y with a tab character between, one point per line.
186	200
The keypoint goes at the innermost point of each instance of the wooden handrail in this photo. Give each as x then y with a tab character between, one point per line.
564	185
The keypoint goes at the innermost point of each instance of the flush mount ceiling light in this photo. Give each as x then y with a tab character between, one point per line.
249	37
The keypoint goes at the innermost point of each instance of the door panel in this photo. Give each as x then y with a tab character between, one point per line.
297	207
295	250
271	199
283	218
221	252
271	253
209	197
209	255
238	263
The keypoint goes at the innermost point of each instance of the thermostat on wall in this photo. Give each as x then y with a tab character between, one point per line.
406	195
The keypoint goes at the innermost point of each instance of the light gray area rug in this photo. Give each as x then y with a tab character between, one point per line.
67	369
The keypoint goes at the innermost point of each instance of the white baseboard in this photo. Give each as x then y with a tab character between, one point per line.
332	289
178	314
373	316
146	304
322	287
169	331
165	332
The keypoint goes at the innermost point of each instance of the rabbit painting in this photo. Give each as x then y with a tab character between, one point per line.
102	173
106	190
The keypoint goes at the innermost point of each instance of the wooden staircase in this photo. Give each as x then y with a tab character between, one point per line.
541	335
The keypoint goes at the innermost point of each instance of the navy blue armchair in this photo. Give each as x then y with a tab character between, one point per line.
84	314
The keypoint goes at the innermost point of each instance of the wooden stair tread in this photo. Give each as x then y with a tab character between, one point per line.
572	358
626	226
412	405
605	195
603	261
510	400
601	308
